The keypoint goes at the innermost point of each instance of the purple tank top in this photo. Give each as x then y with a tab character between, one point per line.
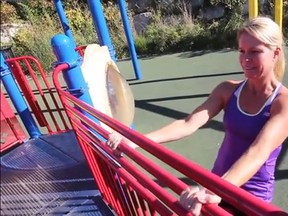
240	131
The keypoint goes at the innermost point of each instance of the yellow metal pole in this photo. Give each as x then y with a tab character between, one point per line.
253	8
278	12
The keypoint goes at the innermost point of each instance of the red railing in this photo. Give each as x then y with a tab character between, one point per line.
11	130
42	99
81	50
129	189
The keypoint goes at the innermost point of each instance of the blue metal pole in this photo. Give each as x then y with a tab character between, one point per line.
17	99
64	50
63	20
101	26
130	39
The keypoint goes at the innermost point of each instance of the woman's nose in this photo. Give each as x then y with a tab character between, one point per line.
247	57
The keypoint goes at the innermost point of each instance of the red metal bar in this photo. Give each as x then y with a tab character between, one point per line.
100	165
81	50
39	88
148	196
96	166
34	106
20	66
134	199
116	188
165	196
51	95
213	209
108	186
11	130
158	191
152	211
230	193
129	199
28	93
112	184
143	206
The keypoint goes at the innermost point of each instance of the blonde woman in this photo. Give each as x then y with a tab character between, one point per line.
255	117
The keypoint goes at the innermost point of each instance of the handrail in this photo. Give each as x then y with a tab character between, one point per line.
236	196
30	65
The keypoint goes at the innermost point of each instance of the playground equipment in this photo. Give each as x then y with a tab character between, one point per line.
48	174
102	30
278	10
95	79
11	131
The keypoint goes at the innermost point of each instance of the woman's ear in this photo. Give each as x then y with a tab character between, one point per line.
277	52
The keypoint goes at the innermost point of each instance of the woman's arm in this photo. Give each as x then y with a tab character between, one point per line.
270	137
185	127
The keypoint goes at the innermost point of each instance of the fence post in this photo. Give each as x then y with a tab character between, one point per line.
253	8
279	12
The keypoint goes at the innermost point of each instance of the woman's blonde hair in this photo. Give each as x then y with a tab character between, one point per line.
268	32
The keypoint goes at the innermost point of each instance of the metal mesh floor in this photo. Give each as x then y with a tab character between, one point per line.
49	176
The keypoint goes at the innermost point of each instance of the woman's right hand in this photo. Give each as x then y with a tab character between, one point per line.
114	139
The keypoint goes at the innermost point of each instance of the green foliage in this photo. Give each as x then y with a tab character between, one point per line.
35	41
32	10
116	28
231	4
8	13
142	44
164	35
113	18
81	23
185	33
162	38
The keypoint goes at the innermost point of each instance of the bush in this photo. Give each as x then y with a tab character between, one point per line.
166	34
183	33
35	41
8	13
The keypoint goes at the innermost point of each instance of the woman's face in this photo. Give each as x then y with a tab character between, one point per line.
256	59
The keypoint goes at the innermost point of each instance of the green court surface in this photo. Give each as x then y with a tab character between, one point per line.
173	85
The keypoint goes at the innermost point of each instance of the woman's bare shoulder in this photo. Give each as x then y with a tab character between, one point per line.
281	101
284	93
284	90
228	86
232	82
225	89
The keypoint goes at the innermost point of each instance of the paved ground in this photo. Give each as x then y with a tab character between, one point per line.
173	85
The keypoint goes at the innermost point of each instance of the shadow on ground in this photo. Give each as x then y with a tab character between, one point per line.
202	52
171	113
183	78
